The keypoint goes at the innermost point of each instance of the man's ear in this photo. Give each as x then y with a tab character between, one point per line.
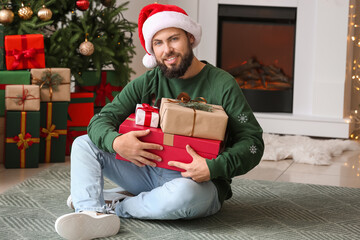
191	38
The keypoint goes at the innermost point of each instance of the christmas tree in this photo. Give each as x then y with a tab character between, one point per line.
79	35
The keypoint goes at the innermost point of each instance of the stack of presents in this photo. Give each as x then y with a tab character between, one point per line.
179	122
39	117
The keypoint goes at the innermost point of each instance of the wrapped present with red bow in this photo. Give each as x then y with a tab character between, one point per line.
22	139
54	83
104	86
24	51
53	130
11	78
193	118
147	115
174	146
22	98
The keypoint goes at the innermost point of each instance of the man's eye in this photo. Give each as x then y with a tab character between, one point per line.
156	43
174	38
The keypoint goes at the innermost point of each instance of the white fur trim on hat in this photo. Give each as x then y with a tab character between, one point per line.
149	61
167	19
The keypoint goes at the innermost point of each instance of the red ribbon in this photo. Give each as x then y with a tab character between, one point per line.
2	86
148	113
24	55
24	143
103	91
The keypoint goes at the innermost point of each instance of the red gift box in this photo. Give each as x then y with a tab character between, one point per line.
173	145
81	109
24	51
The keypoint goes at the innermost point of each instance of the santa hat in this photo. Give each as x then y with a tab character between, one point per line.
155	17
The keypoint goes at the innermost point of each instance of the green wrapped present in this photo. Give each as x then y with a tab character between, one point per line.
11	77
105	87
22	139
53	130
2	57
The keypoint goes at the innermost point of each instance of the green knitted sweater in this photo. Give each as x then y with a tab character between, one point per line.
244	145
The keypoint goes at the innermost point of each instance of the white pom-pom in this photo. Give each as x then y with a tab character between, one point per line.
149	61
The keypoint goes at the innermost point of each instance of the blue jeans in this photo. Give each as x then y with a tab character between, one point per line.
160	193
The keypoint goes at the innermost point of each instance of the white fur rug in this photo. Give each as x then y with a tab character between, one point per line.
304	149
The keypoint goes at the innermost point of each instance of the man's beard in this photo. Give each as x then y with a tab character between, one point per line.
177	72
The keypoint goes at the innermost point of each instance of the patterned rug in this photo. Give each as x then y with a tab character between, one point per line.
258	210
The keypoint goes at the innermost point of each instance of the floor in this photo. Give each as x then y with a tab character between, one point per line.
344	171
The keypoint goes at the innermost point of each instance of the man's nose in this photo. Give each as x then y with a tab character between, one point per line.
168	48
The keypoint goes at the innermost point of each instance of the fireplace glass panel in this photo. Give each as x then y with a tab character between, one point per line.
256	45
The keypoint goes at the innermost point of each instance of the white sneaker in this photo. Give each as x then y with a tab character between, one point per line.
87	225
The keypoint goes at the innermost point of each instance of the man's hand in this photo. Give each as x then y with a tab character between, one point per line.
130	147
197	170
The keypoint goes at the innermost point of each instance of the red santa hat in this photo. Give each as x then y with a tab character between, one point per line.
155	17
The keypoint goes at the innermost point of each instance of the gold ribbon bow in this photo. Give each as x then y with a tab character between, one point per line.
50	132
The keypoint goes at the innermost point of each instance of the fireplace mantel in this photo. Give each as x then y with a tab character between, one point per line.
322	76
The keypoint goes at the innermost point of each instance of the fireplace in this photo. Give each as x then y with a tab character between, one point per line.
321	71
256	45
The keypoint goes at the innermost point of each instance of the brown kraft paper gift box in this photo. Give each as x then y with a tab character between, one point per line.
22	98
176	119
54	83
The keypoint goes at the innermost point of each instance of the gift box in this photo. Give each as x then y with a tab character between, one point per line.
177	119
53	129
173	145
11	77
2	57
54	83
147	115
72	133
24	51
2	139
105	87
80	110
22	98
22	139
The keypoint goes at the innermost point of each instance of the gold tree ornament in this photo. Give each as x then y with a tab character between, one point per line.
6	16
44	14
24	12
86	48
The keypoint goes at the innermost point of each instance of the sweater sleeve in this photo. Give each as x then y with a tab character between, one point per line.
244	146
103	127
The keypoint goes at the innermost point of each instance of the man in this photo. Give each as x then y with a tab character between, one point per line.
168	36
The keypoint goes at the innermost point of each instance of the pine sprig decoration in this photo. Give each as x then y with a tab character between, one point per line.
49	79
197	106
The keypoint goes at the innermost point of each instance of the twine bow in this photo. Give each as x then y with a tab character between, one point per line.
199	103
25	96
23	142
50	132
49	80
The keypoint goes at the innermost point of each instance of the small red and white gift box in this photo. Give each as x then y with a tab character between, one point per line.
147	115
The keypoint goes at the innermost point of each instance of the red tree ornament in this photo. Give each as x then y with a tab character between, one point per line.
82	4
